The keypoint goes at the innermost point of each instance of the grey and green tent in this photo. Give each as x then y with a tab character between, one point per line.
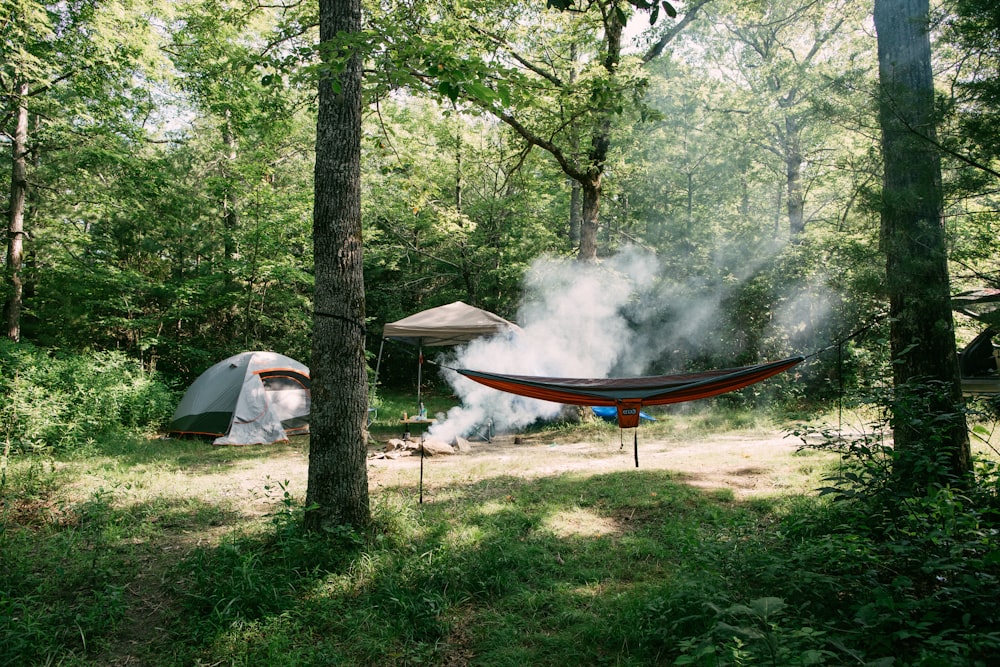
249	398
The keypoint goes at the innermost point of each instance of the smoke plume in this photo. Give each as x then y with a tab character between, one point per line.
618	317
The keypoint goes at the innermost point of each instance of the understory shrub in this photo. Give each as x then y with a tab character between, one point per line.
62	402
927	592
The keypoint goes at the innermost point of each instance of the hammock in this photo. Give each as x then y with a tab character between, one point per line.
629	395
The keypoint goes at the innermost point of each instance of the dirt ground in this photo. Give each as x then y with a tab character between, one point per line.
747	464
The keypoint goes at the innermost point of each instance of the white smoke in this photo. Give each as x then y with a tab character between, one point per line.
591	320
803	309
573	324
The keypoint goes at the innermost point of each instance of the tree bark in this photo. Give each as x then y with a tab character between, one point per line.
793	179
600	143
337	494
230	199
15	219
575	212
927	403
589	220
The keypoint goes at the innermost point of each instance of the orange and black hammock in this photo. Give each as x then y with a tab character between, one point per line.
630	395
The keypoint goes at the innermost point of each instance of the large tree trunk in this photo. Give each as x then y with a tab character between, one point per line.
589	220
338	478
928	388
575	212
15	219
600	143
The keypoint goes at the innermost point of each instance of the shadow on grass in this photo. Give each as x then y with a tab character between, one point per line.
553	571
196	454
79	577
628	568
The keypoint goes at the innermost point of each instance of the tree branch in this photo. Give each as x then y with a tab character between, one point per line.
499	41
656	49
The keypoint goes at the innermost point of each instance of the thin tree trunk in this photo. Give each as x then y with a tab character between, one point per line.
689	201
15	220
230	200
458	171
793	179
337	494
913	238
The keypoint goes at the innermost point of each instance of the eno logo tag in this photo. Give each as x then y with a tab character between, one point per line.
629	411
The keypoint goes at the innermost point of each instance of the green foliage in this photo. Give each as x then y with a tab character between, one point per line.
495	570
934	571
63	584
66	403
754	633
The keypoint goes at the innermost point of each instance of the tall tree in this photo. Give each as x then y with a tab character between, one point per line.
23	26
15	215
782	57
431	236
338	480
71	74
926	375
560	81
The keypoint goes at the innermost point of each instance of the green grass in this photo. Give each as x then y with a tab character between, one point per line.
140	555
391	405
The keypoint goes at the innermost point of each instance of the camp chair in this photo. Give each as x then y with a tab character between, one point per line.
484	431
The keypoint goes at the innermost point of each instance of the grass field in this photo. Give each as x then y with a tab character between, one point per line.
552	549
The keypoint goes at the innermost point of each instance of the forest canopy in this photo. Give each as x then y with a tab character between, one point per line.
160	159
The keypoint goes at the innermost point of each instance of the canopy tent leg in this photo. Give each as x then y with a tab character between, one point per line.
420	369
378	362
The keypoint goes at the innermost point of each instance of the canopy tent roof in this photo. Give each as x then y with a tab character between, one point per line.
452	324
980	304
630	394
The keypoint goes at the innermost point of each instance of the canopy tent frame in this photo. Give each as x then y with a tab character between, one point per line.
452	324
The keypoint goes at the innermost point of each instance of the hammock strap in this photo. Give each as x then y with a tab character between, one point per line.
635	445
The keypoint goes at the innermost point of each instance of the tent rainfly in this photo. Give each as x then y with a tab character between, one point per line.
452	324
249	398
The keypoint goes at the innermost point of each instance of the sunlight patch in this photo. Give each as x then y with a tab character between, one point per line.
580	523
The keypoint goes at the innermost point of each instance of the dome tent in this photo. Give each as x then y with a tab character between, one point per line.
249	398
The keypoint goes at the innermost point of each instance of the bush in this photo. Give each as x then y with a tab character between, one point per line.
928	593
61	402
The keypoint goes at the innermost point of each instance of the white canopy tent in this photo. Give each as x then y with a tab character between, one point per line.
452	324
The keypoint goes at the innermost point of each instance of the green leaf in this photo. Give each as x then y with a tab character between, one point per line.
669	9
449	90
765	607
480	92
